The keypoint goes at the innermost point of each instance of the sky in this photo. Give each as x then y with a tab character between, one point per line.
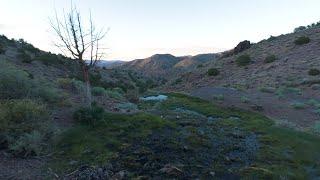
141	28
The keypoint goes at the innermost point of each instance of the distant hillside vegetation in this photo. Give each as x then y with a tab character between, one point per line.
166	65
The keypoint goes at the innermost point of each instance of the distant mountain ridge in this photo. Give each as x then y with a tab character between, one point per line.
167	65
110	63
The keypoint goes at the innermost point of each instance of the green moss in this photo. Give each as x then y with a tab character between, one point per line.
96	145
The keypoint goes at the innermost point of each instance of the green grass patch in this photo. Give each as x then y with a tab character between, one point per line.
283	152
90	145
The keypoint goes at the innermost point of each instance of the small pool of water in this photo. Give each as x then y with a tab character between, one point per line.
154	98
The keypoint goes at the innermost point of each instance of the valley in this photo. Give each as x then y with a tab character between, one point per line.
249	113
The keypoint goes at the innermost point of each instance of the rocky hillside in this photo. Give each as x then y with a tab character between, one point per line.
166	65
275	62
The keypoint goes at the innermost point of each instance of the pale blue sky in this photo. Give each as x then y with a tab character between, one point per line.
140	28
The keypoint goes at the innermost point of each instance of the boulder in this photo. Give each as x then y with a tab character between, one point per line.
242	46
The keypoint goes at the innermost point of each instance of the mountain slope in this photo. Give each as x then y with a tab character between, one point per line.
290	68
166	65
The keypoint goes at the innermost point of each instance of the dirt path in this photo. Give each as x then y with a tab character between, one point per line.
269	104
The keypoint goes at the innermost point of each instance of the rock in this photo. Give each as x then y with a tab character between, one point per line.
257	108
73	162
212	174
120	175
171	170
242	46
315	87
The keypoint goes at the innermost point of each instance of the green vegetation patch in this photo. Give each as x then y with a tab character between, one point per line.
283	152
95	145
302	40
213	72
25	127
270	59
243	60
314	72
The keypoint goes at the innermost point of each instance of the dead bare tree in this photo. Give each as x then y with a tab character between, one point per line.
79	42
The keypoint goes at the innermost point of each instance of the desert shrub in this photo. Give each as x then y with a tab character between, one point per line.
2	50
127	106
25	58
270	59
14	83
243	60
317	127
199	65
49	59
244	99
267	89
19	120
89	115
299	29
213	72
98	91
219	97
283	91
48	94
314	102
298	105
314	72
132	96
114	93
64	83
30	144
302	40
71	84
95	78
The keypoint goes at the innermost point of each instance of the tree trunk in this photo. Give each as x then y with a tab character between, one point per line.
85	72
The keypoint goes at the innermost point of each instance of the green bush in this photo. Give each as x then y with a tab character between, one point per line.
244	99
71	84
243	60
115	93
29	144
199	65
19	120
298	105
302	40
14	83
89	115
98	91
25	58
213	72
48	94
314	72
49	59
2	50
270	59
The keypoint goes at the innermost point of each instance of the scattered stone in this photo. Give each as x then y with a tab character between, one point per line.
120	175
73	162
257	108
171	170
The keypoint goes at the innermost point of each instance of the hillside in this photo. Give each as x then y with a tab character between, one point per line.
278	75
166	65
204	123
